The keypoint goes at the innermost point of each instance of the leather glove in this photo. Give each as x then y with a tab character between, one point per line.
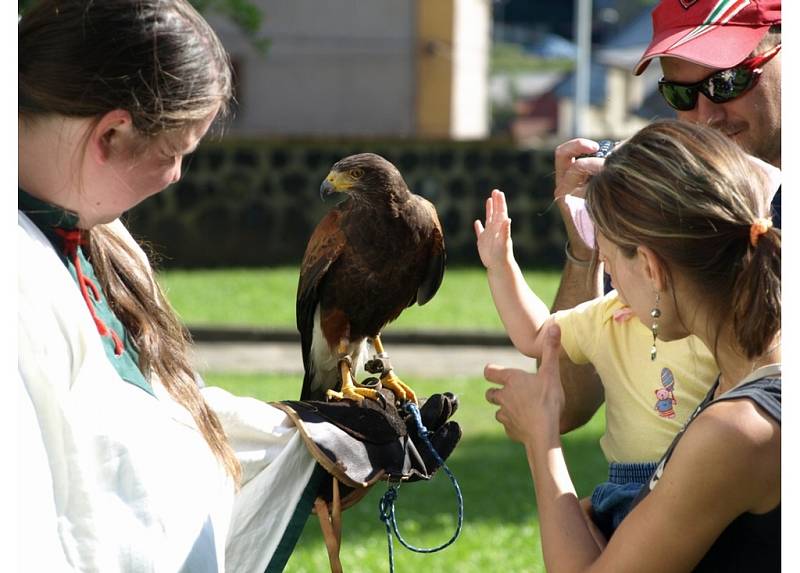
361	443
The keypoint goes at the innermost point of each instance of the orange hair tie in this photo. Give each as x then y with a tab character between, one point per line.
758	228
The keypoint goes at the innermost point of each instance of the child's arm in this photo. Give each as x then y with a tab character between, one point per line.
523	313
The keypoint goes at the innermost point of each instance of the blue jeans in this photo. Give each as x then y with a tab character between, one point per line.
611	500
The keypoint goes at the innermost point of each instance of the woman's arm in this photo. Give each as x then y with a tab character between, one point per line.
523	313
530	407
727	463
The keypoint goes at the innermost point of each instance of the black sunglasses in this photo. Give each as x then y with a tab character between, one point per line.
720	87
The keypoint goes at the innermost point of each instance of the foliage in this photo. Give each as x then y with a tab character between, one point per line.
244	13
266	297
501	528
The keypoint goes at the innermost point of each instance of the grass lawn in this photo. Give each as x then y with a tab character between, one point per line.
511	58
500	532
266	297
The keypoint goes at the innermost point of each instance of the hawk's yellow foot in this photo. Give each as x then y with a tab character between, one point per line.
349	390
353	392
400	389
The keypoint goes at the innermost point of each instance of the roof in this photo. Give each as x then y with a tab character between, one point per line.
597	85
637	32
553	46
503	88
625	49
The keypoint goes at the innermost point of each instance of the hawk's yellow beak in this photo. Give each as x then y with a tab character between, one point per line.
335	182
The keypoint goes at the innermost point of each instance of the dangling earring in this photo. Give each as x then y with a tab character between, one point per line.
655	314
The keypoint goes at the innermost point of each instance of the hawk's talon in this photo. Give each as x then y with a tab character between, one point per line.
371	382
382	400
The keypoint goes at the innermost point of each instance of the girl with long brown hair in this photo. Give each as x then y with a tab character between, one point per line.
129	465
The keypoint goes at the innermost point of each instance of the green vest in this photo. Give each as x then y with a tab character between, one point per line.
56	222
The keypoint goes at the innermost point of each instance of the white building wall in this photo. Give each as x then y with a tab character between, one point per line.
338	67
472	36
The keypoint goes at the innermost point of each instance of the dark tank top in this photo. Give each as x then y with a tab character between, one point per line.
752	542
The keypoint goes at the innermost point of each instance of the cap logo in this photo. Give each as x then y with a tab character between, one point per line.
719	15
687	3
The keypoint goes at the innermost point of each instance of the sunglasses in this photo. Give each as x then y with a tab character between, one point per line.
721	86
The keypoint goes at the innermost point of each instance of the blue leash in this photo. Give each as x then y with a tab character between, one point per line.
386	504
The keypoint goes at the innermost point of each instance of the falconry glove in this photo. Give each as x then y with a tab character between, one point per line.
360	443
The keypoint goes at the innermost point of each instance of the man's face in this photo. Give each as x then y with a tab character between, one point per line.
752	120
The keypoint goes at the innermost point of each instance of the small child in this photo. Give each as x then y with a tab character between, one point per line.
647	400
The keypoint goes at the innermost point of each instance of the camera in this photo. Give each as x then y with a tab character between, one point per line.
606	147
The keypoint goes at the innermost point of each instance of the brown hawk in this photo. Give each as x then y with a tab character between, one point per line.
378	252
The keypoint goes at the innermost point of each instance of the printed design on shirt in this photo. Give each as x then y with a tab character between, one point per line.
623	314
665	396
654	479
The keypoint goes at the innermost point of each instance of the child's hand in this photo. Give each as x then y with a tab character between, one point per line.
494	242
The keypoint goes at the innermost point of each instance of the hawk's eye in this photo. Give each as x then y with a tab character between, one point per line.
356	173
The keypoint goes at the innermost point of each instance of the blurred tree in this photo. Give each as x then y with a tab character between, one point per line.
244	13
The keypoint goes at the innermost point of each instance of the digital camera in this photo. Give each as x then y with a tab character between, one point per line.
606	147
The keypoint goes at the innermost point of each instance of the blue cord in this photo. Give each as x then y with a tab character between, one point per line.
386	504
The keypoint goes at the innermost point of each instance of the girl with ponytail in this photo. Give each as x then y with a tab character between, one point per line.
684	230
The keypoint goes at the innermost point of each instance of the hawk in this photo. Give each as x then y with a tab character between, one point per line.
376	253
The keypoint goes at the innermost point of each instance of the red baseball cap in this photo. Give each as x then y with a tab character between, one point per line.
713	33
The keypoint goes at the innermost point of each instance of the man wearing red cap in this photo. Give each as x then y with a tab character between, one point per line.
726	51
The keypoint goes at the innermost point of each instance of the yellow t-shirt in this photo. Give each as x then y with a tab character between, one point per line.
647	401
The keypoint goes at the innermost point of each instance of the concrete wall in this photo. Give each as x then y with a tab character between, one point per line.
472	23
340	67
255	203
434	66
356	68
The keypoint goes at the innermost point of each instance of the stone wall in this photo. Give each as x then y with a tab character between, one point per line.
255	203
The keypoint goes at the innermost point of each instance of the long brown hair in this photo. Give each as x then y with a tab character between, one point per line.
160	61
691	195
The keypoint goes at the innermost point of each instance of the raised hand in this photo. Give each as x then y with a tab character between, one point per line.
494	241
530	404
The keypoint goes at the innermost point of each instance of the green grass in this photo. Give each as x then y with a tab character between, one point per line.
266	297
501	530
512	58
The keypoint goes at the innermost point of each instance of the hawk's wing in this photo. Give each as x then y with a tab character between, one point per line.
436	263
324	247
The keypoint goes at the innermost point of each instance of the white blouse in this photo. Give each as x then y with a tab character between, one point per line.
111	478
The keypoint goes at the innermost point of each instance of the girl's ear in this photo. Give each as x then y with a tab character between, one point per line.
110	135
653	267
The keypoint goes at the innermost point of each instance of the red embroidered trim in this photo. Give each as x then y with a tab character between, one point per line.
73	239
